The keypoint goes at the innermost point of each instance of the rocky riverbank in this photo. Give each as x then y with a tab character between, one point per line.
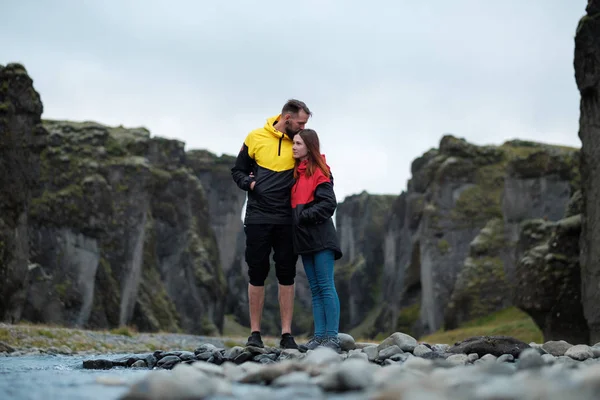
400	367
486	367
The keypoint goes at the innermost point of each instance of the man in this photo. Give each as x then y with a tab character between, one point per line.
265	169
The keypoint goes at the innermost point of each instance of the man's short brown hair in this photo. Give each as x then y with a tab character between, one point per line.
294	106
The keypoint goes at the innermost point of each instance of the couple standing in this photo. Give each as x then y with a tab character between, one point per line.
289	210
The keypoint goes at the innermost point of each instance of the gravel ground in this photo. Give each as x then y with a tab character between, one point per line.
16	340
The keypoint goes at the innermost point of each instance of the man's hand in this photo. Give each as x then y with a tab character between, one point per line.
252	184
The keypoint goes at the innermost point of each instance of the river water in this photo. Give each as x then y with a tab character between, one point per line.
61	377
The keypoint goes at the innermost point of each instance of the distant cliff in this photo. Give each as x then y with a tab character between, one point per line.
105	226
446	249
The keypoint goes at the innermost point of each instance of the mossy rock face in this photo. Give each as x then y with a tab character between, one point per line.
118	186
361	222
575	205
548	288
460	148
563	162
464	189
481	286
21	140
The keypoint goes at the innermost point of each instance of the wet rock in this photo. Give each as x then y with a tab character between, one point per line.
496	345
97	364
168	362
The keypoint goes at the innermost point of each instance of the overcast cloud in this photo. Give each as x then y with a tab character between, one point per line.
384	79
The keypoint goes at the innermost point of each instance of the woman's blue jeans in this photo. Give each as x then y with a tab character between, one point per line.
325	302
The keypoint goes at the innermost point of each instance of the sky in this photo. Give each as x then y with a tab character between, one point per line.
385	80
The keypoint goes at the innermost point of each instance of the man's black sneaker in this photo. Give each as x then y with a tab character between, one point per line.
287	342
333	343
255	340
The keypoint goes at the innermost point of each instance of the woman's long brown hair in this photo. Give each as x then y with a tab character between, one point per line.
315	158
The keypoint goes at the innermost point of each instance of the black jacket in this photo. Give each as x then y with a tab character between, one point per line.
266	158
312	222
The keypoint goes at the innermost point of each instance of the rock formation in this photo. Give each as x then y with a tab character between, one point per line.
360	223
587	76
22	138
118	226
450	242
548	280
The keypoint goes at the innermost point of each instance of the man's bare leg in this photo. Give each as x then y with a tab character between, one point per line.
256	299
286	307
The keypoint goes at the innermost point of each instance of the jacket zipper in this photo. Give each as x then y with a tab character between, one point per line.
279	150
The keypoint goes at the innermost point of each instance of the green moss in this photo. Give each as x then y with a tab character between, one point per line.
510	322
231	328
113	148
123	330
208	327
65	200
346	270
480	287
61	289
443	246
584	20
407	318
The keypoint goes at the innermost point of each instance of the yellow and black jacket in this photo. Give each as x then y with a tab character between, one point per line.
267	155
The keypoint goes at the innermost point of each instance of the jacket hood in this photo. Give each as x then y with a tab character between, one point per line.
269	127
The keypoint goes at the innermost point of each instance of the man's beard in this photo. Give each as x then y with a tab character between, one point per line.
290	132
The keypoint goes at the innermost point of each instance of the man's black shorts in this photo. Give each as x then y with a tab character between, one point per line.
260	240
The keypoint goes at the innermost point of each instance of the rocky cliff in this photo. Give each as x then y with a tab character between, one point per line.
22	138
587	76
104	226
451	238
360	222
548	286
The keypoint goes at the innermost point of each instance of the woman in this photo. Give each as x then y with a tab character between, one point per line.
315	238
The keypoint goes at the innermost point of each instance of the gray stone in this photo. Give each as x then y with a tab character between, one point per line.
458	359
360	356
488	357
505	358
347	342
321	356
556	348
209	369
389	352
184	382
403	341
421	349
349	375
580	352
293	378
168	362
530	358
139	364
548	358
371	352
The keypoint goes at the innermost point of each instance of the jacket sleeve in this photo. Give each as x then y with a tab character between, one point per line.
323	207
244	166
